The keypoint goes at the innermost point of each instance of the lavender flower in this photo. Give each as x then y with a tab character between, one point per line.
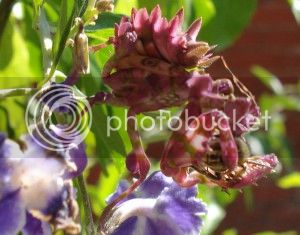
36	189
159	206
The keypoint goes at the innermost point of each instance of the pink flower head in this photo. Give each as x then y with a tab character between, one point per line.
208	152
154	36
149	69
145	91
248	172
242	110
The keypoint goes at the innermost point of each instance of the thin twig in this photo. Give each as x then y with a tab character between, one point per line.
16	92
46	40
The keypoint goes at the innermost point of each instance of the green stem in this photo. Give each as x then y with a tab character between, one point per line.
16	92
46	40
87	206
5	9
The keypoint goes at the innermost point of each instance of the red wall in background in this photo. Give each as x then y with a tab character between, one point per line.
272	40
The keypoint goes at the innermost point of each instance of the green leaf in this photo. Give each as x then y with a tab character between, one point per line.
107	142
14	116
52	9
32	42
268	79
106	186
276	233
102	56
278	141
231	231
223	198
9	129
213	218
83	7
37	4
36	9
290	181
104	21
68	12
15	67
112	138
124	7
101	35
230	19
204	9
6	46
216	213
279	103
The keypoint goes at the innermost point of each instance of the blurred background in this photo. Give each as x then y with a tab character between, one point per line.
259	39
271	41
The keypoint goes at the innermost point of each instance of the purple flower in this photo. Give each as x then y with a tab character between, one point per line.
36	189
159	206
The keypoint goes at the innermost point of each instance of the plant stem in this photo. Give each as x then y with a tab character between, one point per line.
5	9
87	206
46	40
16	92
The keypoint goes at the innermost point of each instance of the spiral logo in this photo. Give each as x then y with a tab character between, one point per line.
58	117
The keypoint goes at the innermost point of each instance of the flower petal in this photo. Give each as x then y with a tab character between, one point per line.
12	214
154	185
127	227
160	36
35	227
158	226
255	168
78	157
160	206
194	29
123	185
178	201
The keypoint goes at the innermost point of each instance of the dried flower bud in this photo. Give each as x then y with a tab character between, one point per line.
105	5
81	52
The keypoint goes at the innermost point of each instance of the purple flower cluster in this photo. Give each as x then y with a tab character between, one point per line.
158	206
36	191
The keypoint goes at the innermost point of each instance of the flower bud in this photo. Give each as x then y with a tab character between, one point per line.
81	52
137	164
105	5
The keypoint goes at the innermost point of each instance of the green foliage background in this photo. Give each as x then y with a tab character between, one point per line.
23	61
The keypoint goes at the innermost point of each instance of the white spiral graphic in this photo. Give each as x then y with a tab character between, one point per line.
58	117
